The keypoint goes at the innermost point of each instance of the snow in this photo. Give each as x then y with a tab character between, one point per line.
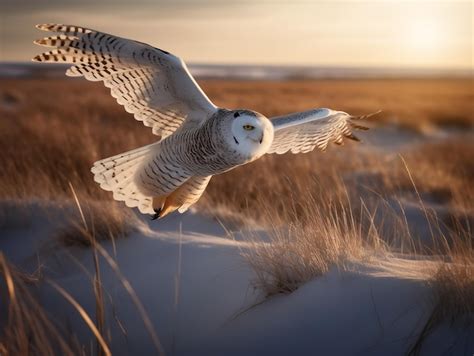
196	289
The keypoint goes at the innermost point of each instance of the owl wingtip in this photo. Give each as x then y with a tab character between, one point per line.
44	26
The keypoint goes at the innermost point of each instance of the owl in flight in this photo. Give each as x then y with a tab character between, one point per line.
197	138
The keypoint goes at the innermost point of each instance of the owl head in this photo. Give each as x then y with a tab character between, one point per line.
252	133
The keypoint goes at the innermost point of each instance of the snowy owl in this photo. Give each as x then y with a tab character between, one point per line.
197	139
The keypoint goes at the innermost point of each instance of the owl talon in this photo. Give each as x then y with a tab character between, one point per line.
157	214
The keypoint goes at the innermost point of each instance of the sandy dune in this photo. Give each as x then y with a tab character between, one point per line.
197	291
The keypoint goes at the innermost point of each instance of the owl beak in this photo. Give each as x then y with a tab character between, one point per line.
259	140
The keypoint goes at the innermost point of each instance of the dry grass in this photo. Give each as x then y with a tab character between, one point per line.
325	234
416	104
441	171
104	220
453	291
61	138
308	248
329	235
48	145
323	208
29	330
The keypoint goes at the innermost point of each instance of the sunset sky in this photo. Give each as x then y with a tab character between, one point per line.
382	33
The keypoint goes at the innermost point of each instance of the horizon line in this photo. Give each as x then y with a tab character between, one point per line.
22	69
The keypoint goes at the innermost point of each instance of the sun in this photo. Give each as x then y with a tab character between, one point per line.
424	35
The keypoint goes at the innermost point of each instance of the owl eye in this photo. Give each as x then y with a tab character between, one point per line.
248	127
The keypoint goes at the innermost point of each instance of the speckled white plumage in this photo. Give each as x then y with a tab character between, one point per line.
197	139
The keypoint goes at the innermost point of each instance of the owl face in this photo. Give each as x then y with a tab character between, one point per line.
252	133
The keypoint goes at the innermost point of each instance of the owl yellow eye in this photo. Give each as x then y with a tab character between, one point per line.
248	127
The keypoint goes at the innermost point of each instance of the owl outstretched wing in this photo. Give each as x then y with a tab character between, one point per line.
150	83
302	132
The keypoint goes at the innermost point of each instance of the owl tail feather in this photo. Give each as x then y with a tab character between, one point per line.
117	174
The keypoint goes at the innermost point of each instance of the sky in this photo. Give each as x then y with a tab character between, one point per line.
352	33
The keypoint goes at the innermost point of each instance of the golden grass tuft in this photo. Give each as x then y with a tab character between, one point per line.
29	330
306	249
103	220
453	290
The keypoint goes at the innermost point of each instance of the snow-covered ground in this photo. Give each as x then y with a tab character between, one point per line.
197	291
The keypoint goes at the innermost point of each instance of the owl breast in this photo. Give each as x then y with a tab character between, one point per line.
201	151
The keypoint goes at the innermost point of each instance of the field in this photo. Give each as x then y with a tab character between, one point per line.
400	204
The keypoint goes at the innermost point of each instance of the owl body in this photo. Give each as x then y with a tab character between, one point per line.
208	149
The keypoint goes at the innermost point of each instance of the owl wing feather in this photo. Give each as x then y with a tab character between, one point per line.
150	83
302	132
